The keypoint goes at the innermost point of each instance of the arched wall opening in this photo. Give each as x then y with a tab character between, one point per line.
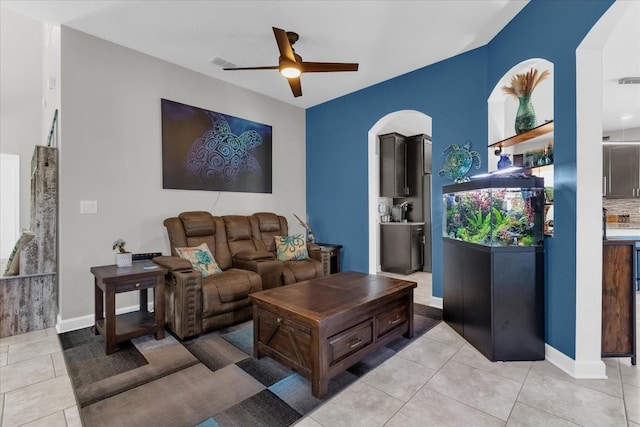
589	172
405	122
502	108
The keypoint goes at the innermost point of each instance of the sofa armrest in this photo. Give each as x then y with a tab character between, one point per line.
173	263
182	297
315	251
270	270
316	254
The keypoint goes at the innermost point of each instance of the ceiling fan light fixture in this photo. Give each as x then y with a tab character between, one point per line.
291	65
290	71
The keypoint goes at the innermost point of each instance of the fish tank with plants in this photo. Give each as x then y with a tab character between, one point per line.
495	211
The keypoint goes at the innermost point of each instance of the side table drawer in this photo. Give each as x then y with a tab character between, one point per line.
132	285
350	341
391	319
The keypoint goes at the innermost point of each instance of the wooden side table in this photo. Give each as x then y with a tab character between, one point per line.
111	280
330	257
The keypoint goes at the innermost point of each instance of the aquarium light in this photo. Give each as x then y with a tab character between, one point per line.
499	172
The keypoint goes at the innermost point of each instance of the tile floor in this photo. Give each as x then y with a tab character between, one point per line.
438	380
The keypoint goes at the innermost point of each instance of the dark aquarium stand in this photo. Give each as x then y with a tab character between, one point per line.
493	291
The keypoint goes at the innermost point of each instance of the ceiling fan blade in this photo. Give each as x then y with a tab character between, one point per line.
296	87
283	44
321	67
266	67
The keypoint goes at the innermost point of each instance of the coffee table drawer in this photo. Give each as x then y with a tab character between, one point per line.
350	341
391	319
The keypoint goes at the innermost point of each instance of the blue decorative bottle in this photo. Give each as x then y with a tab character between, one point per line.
504	161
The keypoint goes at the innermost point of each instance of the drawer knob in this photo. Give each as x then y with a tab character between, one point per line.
137	285
279	319
355	343
394	321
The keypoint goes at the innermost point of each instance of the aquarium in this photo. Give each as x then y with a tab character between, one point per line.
495	211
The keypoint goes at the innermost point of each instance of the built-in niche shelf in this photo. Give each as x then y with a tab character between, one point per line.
525	136
532	143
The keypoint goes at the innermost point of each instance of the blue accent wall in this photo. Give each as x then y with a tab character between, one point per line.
337	150
454	94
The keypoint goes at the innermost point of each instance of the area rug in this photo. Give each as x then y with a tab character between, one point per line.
96	376
210	381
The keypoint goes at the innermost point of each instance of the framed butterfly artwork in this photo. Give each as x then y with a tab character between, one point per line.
206	150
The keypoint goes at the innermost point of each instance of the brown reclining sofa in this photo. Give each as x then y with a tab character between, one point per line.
244	249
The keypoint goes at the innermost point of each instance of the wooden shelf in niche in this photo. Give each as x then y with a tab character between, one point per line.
525	136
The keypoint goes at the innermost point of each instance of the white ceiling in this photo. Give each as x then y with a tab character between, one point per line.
387	38
621	58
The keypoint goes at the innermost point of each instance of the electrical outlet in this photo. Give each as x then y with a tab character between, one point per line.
88	207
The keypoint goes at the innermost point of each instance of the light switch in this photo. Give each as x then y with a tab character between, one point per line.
88	207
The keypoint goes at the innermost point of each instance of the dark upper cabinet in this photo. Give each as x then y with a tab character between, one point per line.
403	162
422	151
418	162
393	167
621	167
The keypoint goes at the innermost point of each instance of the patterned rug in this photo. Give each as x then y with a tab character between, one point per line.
209	381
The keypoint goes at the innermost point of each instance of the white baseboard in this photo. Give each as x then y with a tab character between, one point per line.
75	323
436	302
88	320
593	370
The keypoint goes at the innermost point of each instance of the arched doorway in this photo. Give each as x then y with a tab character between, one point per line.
405	122
588	220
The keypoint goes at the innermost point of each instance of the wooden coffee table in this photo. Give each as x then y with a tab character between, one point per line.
320	327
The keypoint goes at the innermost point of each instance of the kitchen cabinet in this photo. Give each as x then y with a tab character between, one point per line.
402	247
621	168
618	299
418	155
393	167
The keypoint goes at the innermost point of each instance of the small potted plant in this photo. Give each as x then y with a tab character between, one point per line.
123	257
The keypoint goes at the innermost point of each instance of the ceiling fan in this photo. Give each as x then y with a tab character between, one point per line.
291	65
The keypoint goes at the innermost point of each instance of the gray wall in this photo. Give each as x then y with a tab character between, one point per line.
110	149
111	152
632	134
21	111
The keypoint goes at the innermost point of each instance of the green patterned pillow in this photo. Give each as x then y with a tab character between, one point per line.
291	248
201	259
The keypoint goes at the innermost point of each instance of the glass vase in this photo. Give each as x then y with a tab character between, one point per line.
526	116
504	161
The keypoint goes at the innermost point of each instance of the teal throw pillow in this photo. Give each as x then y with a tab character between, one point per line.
201	259
291	248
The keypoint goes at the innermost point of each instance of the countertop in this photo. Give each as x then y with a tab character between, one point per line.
622	238
402	223
623	225
623	230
